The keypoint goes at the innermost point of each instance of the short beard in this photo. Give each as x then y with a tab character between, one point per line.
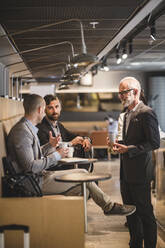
128	101
52	118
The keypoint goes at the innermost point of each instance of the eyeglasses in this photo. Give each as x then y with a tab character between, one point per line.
124	92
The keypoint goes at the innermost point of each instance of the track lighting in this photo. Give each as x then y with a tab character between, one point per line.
130	46
118	59
104	66
153	31
124	55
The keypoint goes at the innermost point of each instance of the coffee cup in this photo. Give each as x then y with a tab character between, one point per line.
63	145
70	152
112	138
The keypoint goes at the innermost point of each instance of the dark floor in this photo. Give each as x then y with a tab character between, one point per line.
104	231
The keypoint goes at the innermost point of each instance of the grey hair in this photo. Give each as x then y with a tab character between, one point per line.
132	83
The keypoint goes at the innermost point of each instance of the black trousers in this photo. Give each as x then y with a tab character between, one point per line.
142	224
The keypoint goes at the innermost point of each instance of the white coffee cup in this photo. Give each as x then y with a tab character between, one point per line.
63	145
112	138
70	152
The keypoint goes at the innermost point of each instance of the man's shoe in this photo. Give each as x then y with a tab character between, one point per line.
119	209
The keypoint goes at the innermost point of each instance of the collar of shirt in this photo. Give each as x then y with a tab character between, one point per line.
34	128
134	109
128	116
55	128
54	125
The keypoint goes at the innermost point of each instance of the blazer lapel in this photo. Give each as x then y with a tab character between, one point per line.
124	125
133	115
48	125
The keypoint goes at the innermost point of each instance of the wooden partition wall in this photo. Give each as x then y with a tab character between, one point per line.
10	108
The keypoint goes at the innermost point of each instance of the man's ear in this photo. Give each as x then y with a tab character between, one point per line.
39	109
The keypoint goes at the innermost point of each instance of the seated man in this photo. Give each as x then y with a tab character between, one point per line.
26	155
50	122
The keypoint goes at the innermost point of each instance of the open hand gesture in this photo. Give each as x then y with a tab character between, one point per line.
53	140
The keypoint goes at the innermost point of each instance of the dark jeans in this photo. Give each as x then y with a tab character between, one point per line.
141	224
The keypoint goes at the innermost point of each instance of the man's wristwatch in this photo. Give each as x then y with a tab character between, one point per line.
85	137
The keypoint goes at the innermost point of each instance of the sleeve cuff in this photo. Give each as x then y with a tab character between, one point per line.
57	156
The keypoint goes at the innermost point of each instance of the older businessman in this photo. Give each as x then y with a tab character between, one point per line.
140	138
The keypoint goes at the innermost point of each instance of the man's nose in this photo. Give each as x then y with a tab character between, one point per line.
54	110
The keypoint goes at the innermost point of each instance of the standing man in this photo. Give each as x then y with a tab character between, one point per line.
50	123
140	138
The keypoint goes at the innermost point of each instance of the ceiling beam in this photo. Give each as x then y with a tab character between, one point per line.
141	15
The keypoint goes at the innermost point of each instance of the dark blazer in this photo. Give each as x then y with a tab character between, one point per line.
44	128
142	138
43	134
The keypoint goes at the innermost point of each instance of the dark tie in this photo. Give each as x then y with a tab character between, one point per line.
124	125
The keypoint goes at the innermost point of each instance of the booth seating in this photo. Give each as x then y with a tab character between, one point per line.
54	221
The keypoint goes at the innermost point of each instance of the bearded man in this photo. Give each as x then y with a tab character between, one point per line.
140	138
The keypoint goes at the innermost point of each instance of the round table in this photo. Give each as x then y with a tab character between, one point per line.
83	178
75	161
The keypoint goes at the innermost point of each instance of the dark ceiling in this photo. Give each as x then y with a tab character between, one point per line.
111	17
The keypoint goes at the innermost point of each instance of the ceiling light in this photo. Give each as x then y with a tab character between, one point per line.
118	59
75	65
72	75
153	31
104	67
84	59
124	55
153	37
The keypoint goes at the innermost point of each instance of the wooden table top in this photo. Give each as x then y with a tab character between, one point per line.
82	177
78	160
